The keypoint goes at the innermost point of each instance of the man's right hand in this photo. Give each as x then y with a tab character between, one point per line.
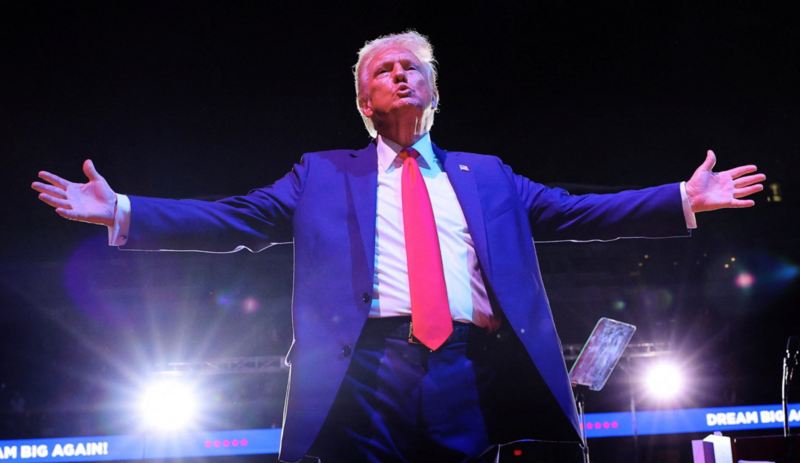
92	202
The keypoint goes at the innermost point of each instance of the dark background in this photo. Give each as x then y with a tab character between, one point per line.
208	99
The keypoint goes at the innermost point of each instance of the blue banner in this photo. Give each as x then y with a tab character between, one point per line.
105	448
267	441
212	444
689	420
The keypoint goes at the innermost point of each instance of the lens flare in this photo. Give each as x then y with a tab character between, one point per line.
168	406
664	381
745	280
250	305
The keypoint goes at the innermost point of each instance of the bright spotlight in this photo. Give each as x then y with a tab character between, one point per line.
168	405
664	381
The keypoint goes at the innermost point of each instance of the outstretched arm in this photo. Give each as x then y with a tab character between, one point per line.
708	190
92	202
254	221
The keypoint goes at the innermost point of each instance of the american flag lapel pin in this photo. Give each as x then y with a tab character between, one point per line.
463	167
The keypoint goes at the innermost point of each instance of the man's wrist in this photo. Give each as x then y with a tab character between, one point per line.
688	215
110	222
118	230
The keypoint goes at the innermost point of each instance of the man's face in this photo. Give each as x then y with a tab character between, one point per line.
396	85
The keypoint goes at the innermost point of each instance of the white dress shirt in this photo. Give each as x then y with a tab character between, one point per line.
466	290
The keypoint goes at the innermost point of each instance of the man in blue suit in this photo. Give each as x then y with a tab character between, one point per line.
362	386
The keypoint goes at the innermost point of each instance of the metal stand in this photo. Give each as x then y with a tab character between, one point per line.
789	365
633	415
580	401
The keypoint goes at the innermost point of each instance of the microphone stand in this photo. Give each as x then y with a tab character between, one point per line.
580	401
784	398
789	365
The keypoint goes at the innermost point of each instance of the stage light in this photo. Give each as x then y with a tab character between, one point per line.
664	381
168	405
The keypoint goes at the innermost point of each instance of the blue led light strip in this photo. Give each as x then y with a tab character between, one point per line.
689	420
143	447
267	441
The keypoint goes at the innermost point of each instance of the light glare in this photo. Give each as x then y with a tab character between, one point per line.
664	381
168	405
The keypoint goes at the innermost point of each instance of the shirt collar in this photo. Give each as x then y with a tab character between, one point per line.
388	151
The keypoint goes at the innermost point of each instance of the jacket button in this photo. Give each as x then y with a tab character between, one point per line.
365	297
346	350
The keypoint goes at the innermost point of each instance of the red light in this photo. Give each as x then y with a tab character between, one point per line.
517	452
235	442
208	444
589	426
598	425
250	305
745	280
614	424
226	443
216	443
244	442
606	425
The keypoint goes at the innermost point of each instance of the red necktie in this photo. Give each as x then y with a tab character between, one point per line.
430	310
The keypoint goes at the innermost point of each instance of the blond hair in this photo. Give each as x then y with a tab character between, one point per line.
412	41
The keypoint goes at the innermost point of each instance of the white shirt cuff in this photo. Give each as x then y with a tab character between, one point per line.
118	233
691	222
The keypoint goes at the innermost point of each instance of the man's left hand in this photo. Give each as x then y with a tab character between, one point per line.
709	190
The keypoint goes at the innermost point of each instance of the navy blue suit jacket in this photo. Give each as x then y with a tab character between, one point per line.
327	206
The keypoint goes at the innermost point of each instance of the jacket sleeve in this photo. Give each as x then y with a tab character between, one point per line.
254	221
555	215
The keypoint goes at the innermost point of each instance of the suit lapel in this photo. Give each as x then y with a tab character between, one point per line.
466	188
362	191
